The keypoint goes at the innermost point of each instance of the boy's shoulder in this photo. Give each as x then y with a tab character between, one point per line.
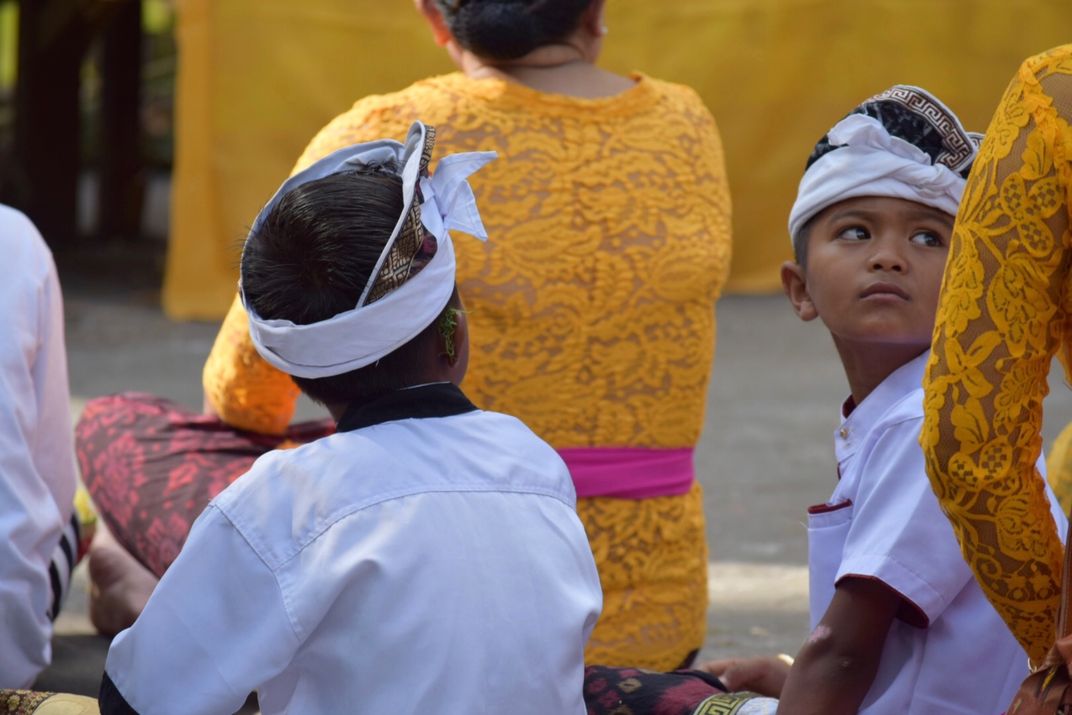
294	495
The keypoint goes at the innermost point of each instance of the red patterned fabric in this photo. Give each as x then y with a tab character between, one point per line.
632	691
151	466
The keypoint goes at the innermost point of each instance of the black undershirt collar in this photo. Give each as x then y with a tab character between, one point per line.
437	399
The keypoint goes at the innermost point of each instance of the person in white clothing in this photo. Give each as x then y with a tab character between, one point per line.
898	623
427	556
39	537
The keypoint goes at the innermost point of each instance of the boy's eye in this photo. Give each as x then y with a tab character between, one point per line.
854	233
927	238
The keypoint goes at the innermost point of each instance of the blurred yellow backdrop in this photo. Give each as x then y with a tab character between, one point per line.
257	78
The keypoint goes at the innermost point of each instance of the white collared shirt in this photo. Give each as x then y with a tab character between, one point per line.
883	522
411	566
37	472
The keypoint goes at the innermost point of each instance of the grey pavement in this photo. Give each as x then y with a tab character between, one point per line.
765	454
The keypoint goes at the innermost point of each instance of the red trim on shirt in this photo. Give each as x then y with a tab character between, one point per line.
908	612
827	508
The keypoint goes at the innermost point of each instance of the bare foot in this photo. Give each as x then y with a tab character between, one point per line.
119	586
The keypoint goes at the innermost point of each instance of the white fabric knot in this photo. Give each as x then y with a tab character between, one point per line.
869	161
447	199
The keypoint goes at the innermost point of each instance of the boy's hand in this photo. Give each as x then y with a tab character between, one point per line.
765	675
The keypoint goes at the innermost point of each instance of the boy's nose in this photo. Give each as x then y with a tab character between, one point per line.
885	258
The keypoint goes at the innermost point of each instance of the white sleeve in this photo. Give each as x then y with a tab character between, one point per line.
37	475
53	446
30	526
899	535
215	629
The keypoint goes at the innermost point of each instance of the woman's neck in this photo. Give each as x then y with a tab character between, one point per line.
549	58
556	69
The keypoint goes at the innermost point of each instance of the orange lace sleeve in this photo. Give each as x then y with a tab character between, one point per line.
244	390
1001	318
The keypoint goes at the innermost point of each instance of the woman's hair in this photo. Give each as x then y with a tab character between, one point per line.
310	260
508	29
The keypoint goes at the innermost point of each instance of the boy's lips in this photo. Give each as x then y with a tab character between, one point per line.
884	289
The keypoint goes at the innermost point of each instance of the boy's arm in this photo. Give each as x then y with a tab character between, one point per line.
37	472
838	662
215	629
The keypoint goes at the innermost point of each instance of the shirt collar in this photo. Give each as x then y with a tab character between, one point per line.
855	427
436	399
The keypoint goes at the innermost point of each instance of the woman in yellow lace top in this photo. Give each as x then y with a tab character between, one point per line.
592	312
1003	315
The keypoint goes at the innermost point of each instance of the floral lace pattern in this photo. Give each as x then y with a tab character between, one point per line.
591	307
1001	318
652	561
244	390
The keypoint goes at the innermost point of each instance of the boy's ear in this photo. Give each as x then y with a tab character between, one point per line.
453	337
461	338
796	290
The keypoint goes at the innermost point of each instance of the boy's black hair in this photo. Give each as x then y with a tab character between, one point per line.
800	244
310	260
509	29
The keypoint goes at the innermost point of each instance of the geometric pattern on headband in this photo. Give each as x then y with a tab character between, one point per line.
406	257
957	146
917	117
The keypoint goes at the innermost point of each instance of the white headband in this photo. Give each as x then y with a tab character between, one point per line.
871	162
364	334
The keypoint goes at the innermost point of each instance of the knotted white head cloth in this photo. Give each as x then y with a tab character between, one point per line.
369	331
867	160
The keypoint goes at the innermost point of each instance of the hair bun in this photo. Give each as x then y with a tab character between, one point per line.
509	29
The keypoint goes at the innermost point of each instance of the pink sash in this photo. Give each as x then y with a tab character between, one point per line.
629	472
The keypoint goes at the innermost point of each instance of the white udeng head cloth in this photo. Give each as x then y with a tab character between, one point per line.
927	163
369	331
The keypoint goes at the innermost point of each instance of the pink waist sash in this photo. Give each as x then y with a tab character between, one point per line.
629	472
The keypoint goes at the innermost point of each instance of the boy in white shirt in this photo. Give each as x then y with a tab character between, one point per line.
427	557
898	623
39	532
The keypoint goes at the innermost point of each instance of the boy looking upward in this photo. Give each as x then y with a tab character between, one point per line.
411	561
898	623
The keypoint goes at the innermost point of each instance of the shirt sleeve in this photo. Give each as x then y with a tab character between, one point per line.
898	534
215	629
1001	317
37	475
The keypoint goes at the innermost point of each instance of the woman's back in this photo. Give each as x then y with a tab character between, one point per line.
592	310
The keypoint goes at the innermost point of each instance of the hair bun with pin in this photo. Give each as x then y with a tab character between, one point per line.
509	29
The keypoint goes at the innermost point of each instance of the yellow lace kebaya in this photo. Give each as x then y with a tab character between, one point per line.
591	310
1002	316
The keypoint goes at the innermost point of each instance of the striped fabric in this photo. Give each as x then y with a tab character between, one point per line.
64	559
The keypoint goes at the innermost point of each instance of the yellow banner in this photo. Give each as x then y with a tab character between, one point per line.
257	78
